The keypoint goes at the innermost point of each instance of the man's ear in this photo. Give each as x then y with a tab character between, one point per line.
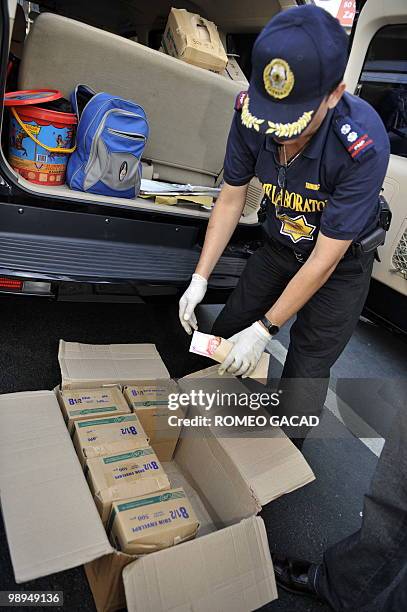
336	95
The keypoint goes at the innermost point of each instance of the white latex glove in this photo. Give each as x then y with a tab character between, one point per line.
191	298
249	345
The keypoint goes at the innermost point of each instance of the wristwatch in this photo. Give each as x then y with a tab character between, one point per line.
271	327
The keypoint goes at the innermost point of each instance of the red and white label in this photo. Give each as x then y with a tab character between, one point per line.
346	12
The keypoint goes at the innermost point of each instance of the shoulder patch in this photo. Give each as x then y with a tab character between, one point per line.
240	98
353	137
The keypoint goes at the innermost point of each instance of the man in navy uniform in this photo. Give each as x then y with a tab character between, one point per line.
321	155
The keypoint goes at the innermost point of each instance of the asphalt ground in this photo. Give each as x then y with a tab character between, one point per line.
302	523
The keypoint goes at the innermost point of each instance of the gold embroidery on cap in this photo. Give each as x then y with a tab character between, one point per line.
288	130
248	119
281	130
278	78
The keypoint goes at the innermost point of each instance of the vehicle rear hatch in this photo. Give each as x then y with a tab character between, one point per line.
57	234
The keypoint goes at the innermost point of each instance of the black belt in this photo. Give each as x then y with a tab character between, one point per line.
302	257
299	256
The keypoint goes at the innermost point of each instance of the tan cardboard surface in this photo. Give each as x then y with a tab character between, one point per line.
118	477
269	463
51	521
194	40
216	479
234	72
151	394
260	372
271	466
211	372
105	580
236	559
149	401
104	574
164	449
152	522
238	578
90	365
105	435
81	404
177	479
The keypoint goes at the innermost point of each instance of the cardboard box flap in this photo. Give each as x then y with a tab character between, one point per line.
269	462
216	478
271	466
226	571
50	518
94	365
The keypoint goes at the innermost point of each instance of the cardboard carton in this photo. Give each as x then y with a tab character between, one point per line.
52	523
85	366
105	574
84	404
118	477
194	40
152	522
149	401
232	478
105	435
234	72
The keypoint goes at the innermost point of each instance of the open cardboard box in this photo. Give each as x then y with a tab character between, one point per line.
52	523
85	366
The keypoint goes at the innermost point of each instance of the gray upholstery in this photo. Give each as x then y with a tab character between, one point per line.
189	109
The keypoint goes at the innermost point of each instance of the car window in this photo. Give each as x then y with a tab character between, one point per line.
383	82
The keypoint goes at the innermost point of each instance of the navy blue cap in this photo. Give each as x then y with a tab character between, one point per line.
297	58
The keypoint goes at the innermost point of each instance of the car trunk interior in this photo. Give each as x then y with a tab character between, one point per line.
189	109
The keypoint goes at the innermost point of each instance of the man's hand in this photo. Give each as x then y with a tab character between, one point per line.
191	298
249	345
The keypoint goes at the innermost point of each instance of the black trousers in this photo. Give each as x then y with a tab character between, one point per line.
368	570
322	328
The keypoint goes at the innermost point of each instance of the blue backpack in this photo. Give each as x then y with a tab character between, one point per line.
111	137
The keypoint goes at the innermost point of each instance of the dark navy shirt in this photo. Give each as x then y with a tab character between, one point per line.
332	186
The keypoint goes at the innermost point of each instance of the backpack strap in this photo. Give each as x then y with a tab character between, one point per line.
80	97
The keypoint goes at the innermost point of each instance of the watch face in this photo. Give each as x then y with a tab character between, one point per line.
271	328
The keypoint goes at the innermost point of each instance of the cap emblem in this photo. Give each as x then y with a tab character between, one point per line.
278	78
